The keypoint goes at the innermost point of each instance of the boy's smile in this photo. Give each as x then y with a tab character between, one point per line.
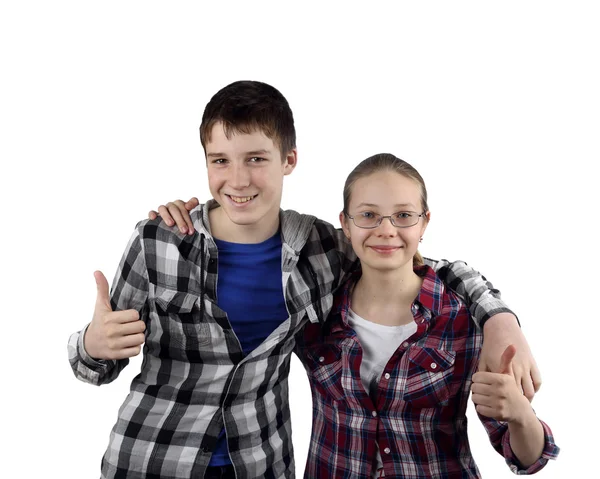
241	200
245	176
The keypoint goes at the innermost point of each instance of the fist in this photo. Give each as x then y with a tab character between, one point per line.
112	334
496	395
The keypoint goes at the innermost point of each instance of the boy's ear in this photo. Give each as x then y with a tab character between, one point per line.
290	161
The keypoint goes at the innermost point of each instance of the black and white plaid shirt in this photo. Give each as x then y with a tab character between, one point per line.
195	379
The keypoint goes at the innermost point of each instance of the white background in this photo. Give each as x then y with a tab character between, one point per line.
496	104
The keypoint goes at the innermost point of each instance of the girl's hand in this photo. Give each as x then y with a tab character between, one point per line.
496	394
177	213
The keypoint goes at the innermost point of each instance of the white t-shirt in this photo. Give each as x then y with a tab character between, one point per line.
379	343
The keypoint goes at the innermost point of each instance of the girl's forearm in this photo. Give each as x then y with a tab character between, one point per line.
527	439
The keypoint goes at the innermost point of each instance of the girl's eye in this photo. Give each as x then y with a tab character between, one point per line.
403	215
367	214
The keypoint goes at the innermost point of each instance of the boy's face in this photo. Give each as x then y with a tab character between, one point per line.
245	176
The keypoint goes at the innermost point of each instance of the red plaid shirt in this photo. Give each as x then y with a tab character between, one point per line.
418	417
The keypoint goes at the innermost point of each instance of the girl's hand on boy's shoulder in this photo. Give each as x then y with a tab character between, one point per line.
496	394
177	213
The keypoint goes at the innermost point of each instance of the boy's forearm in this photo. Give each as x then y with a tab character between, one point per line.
500	323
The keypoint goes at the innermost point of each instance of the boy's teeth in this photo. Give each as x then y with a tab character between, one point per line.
243	199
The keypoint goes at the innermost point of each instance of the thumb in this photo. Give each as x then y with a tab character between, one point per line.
506	359
102	297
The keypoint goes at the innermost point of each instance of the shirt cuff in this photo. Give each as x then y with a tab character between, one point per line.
488	308
97	365
550	451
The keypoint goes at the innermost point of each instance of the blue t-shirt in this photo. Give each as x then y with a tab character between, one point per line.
250	291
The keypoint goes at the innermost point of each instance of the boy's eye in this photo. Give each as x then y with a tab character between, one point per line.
219	161
256	159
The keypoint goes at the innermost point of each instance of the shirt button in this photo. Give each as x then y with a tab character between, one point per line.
374	413
321	359
433	365
405	344
387	375
387	450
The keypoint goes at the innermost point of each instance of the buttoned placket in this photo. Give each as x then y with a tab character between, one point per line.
384	383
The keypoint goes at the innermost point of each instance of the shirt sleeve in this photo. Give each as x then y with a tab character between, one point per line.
299	347
129	291
480	296
500	438
334	240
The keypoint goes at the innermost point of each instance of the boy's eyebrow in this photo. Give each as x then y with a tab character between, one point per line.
258	152
253	152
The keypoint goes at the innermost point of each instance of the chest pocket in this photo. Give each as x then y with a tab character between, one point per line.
327	372
179	318
429	376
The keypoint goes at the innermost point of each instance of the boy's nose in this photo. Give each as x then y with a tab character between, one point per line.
240	177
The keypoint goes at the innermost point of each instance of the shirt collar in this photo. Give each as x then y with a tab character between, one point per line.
430	297
295	228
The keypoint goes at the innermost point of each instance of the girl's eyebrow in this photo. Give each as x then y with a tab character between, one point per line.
398	205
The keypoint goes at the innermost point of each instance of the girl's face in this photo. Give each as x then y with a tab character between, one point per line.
385	247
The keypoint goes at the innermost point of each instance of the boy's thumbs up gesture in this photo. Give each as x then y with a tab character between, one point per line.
112	334
496	394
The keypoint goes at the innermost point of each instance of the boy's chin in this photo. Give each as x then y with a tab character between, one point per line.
245	218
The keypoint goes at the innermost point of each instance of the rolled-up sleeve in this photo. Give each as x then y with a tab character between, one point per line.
480	296
550	451
499	435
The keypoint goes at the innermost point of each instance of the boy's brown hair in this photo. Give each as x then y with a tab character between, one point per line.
249	106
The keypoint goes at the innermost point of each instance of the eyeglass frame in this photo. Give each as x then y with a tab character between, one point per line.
381	218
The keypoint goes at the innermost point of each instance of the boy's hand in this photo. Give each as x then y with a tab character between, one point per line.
177	212
500	331
496	395
112	334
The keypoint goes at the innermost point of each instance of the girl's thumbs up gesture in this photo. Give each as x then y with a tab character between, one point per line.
496	394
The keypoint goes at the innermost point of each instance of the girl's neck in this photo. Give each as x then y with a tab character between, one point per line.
386	297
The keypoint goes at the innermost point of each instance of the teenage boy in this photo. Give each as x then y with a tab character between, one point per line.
217	310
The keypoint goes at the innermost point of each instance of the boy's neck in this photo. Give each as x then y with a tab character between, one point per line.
222	228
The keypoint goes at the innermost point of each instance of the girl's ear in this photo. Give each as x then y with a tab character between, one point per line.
344	223
426	220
